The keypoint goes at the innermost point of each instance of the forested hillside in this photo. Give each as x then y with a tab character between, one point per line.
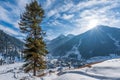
10	47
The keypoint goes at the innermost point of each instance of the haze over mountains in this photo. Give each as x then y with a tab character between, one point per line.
99	41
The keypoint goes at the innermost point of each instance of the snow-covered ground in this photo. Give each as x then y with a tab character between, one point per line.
9	72
15	72
107	70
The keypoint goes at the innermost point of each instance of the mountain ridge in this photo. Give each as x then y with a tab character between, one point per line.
99	41
10	47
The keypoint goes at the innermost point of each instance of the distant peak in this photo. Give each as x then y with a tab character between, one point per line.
100	27
61	36
70	35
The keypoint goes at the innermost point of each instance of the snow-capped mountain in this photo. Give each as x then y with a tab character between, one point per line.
10	47
58	41
99	41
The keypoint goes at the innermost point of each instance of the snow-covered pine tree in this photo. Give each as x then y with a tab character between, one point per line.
35	48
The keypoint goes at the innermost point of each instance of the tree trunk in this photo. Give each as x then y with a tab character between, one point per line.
34	69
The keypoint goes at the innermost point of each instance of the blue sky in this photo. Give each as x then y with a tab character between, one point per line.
62	16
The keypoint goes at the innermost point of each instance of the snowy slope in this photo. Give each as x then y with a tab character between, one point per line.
99	41
15	72
107	70
9	72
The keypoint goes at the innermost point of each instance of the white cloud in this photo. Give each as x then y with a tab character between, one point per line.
9	16
12	16
103	14
79	15
8	30
48	4
67	17
89	4
22	3
50	34
82	13
51	13
57	10
65	7
4	14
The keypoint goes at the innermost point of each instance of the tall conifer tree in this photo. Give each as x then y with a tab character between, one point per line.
35	48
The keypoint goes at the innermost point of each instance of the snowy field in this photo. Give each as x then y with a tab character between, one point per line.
107	70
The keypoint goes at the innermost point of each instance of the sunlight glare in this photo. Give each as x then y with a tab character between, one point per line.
92	23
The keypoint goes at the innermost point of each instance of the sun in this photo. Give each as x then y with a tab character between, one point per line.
92	23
